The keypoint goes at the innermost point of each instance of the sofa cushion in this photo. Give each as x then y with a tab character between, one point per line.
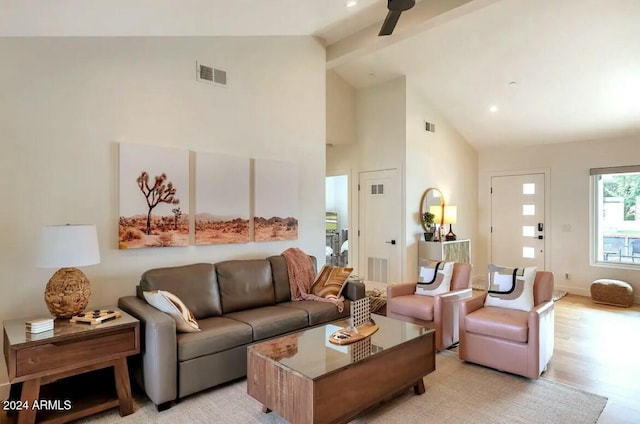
245	284
510	324
281	277
434	278
270	321
511	287
217	334
195	285
319	312
412	305
330	281
171	304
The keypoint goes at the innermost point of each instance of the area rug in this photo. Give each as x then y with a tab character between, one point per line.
457	392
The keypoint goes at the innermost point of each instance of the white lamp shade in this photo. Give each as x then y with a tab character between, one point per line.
450	214
65	246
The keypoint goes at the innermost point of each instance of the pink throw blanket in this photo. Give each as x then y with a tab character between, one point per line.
302	275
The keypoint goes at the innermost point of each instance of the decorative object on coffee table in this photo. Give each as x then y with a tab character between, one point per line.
66	247
359	326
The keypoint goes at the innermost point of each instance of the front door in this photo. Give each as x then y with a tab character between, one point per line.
380	226
518	228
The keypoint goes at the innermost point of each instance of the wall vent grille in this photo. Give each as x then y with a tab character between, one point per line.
377	270
210	75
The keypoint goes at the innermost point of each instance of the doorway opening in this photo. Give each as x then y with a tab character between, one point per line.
337	220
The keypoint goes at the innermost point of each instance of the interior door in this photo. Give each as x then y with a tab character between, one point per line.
380	226
518	220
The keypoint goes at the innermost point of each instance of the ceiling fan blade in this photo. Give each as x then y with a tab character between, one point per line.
389	22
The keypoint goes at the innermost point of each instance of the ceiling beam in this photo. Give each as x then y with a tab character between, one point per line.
422	17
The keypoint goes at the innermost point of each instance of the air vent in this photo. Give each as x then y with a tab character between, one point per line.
211	75
377	270
428	126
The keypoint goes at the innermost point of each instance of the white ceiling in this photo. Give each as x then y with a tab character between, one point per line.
575	63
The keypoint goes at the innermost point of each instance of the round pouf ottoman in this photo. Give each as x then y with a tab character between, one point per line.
612	292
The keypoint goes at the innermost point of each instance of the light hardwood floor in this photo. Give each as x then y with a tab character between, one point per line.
597	349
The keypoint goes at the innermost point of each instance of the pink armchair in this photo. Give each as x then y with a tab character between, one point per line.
510	340
439	312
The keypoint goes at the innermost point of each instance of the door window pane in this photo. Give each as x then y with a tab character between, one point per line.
528	231
529	188
528	252
528	210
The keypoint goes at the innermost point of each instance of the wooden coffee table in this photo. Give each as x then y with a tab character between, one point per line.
306	379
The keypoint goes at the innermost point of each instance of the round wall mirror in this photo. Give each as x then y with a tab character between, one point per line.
432	201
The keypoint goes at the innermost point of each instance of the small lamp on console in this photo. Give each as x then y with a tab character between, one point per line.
450	217
67	247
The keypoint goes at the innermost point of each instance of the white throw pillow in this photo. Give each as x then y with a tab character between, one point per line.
170	303
434	278
511	287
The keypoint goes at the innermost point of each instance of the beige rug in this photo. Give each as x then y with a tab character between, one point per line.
456	392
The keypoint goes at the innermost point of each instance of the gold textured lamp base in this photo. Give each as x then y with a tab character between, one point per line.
67	293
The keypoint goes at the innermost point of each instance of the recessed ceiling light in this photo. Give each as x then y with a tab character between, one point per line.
493	108
351	3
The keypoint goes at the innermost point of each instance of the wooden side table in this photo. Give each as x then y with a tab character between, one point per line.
69	349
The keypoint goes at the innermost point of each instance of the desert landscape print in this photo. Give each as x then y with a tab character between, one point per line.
276	200
222	199
154	197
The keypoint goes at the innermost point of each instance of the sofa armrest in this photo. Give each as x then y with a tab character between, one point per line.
158	349
353	290
400	289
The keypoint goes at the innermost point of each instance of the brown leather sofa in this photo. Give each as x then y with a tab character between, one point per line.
510	340
439	312
236	303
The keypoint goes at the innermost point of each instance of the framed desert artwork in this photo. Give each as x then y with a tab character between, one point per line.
222	199
276	200
154	196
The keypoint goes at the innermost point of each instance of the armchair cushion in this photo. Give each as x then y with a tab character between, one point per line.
434	278
510	324
511	287
420	307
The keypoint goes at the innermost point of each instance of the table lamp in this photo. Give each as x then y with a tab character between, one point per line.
67	247
450	217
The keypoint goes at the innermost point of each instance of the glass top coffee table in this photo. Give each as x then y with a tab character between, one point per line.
307	379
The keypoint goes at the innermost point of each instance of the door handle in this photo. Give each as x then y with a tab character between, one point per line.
540	226
391	242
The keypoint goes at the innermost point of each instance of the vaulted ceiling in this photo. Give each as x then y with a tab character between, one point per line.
503	72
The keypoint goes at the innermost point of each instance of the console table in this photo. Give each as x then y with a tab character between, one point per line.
70	349
455	250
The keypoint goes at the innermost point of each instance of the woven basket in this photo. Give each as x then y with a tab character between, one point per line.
612	292
67	293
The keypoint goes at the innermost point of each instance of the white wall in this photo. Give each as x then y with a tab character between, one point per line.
341	110
444	160
569	165
67	102
390	134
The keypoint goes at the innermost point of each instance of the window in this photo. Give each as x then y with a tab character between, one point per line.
616	212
